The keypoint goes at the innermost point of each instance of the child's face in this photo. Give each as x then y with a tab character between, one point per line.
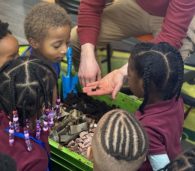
8	49
135	82
54	45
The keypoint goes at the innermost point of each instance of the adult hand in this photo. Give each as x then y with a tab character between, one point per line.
89	70
110	84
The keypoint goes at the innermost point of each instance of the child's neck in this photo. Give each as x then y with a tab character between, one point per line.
154	98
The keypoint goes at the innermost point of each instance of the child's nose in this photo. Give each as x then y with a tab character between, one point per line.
63	49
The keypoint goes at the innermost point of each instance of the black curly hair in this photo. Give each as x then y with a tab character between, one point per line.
26	86
42	17
4	29
161	67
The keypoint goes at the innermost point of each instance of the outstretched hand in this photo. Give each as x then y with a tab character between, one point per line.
110	84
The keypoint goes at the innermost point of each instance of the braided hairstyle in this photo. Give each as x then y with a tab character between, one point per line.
26	86
4	29
184	162
161	67
119	139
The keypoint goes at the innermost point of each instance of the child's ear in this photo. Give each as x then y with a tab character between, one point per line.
33	43
89	153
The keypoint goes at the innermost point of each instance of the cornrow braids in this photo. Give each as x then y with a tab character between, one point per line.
24	86
119	136
184	162
161	68
4	29
42	17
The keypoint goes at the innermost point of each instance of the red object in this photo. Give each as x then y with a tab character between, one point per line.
163	123
177	13
145	38
35	160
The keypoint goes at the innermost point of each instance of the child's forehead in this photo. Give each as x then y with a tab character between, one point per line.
59	31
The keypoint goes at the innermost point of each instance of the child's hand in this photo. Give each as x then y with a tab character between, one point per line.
110	84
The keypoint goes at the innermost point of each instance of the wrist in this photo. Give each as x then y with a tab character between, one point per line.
87	47
123	70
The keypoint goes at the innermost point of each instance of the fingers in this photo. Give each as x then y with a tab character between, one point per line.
99	76
85	81
116	90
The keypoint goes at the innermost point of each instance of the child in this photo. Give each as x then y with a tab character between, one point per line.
155	73
119	142
47	29
8	44
184	162
26	91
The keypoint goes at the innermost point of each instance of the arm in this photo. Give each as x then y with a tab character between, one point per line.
176	21
89	20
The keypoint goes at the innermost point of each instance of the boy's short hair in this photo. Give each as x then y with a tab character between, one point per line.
184	162
42	17
7	163
119	142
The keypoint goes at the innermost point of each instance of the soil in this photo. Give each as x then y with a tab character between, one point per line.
93	110
86	104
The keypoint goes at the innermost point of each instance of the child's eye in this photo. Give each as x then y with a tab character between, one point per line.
56	46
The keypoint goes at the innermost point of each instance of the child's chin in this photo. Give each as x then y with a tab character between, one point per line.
58	60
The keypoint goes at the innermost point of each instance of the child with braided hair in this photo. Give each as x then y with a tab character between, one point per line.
26	95
8	44
155	73
119	142
47	29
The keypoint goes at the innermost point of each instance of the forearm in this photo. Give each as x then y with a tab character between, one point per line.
176	21
87	50
89	19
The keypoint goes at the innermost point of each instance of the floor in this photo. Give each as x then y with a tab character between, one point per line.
14	11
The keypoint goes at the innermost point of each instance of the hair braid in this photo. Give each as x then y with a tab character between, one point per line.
121	136
180	74
147	80
29	81
161	68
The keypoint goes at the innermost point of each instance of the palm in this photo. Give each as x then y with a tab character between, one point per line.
110	84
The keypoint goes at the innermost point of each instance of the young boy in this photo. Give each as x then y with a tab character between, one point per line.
8	44
47	29
119	142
